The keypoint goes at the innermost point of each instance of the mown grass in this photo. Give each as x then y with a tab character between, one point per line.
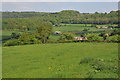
63	60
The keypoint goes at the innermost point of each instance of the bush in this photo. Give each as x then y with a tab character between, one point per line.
85	29
86	60
99	64
66	37
52	41
11	42
113	38
15	35
27	38
94	37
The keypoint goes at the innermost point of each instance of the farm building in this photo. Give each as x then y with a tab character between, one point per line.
102	27
57	32
80	38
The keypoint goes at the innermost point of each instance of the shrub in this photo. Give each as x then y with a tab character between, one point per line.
52	41
27	38
15	35
11	42
99	64
113	38
67	37
94	37
86	60
85	29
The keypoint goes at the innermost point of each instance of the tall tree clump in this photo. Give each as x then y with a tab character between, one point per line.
27	38
43	31
66	37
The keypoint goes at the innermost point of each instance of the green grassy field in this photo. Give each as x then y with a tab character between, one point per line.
7	33
75	27
63	60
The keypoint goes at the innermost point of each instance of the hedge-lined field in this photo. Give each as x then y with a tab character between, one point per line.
73	28
79	27
63	60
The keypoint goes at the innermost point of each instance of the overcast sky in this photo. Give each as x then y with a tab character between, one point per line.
60	0
83	7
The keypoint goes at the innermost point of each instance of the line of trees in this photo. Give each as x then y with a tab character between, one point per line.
27	19
43	33
42	24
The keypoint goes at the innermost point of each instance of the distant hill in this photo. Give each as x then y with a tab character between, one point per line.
57	18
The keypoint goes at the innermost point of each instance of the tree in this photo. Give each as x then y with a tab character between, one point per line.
24	38
94	37
27	38
11	42
113	38
85	29
26	20
44	30
15	35
66	37
107	33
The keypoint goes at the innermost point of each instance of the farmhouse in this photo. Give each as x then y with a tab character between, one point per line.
57	32
98	27
102	27
80	38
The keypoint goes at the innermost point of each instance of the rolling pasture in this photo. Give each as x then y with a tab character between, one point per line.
68	28
74	28
62	60
41	53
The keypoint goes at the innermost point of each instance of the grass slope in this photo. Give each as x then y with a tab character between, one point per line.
63	60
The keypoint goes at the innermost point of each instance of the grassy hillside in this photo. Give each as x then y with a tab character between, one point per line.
68	60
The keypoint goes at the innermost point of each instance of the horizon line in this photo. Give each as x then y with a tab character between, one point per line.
58	11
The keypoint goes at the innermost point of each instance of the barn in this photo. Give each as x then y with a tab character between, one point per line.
80	38
57	32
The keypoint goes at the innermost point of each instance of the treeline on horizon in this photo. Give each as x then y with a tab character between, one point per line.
40	26
64	17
